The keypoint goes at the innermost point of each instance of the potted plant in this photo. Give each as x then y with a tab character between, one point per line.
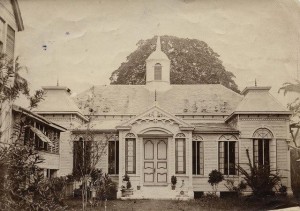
126	189
173	181
138	187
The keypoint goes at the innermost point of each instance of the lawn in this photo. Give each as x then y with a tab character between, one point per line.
205	203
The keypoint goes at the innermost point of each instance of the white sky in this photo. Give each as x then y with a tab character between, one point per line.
87	40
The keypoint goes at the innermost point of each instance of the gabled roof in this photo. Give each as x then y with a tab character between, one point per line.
57	100
201	99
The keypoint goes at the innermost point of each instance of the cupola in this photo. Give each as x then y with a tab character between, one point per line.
158	69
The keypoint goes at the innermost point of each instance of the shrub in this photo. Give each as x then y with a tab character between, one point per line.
128	185
105	187
126	178
215	177
238	189
283	190
261	179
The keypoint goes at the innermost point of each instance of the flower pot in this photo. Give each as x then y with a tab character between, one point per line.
138	187
173	187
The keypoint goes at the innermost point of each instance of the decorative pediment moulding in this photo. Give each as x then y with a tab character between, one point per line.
157	115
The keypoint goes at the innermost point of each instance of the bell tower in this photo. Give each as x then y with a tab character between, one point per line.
158	69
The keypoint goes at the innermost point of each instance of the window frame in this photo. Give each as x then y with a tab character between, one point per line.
256	151
157	72
133	155
116	157
200	155
183	139
222	146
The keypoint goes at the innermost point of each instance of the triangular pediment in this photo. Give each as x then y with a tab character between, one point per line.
156	114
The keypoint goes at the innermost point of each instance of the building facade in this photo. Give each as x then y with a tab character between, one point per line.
10	23
159	130
32	129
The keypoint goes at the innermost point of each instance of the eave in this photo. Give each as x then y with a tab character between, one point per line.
18	16
257	112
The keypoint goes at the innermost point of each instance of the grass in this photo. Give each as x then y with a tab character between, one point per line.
204	203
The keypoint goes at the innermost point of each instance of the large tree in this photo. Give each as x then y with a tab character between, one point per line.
192	62
295	133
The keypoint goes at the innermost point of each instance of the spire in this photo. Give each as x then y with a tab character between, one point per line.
255	82
158	45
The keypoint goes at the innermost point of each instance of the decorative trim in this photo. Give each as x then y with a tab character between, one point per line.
130	135
227	138
180	135
196	137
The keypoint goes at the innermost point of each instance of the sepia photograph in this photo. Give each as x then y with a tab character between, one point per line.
138	105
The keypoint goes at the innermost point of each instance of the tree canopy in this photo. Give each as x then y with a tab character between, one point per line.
192	62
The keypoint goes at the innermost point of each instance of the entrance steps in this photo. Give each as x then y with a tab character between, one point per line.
159	192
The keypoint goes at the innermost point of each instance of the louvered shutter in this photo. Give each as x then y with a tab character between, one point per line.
10	42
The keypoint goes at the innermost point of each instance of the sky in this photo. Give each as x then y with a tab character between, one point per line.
80	42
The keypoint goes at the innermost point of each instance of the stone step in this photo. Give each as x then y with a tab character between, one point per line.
159	193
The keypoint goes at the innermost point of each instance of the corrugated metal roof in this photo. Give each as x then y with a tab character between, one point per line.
179	99
57	99
258	99
213	127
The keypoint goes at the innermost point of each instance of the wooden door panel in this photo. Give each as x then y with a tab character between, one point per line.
162	178
155	162
161	150
148	150
148	172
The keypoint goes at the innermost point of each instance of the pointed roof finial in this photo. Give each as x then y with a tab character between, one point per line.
155	95
255	82
158	45
57	82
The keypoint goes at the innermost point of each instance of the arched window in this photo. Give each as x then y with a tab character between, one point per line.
130	152
180	155
261	146
197	155
157	72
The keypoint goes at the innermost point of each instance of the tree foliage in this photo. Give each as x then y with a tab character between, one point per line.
25	187
192	62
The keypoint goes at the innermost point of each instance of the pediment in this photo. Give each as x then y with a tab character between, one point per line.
155	115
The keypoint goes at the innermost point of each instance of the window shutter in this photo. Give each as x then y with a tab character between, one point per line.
180	156
236	157
201	151
255	151
130	156
272	154
10	42
221	157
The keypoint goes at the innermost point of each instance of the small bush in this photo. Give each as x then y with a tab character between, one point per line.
105	187
215	177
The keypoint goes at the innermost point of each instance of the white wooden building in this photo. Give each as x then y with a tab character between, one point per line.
162	130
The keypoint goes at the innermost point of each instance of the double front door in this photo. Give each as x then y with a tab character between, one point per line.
155	161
